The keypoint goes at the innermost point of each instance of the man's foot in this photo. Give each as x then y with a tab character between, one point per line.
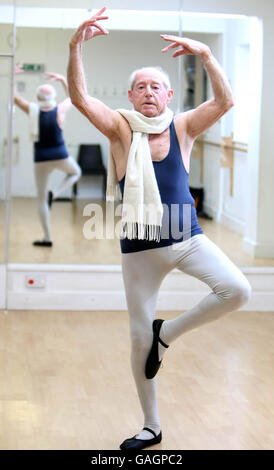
134	443
50	197
153	361
42	243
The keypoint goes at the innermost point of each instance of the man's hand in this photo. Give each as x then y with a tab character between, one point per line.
59	78
18	68
18	100
206	114
187	46
55	76
90	29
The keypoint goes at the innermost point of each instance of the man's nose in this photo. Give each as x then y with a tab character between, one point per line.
148	90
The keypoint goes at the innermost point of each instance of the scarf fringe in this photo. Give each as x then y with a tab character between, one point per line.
132	230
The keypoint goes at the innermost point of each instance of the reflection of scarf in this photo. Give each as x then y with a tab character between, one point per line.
142	209
34	109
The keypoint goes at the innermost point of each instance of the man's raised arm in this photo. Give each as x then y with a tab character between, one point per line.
18	100
205	115
105	119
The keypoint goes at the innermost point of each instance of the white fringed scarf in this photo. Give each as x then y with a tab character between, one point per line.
142	208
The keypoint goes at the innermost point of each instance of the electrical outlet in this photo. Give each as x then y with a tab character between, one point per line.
36	281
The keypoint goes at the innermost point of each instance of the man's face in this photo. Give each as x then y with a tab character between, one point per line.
46	92
149	95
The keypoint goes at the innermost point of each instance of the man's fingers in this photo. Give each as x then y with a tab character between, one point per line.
101	28
167	37
100	11
170	37
86	28
94	19
181	52
98	33
102	18
91	22
180	41
171	46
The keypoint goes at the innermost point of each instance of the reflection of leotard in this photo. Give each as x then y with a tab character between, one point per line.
172	179
50	154
51	144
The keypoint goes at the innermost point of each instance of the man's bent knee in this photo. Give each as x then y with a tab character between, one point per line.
241	293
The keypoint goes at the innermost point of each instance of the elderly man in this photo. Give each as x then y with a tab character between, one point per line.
150	154
50	152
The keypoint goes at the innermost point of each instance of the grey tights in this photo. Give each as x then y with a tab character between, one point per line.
143	273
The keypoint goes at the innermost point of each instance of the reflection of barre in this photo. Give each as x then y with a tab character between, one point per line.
216	144
15	140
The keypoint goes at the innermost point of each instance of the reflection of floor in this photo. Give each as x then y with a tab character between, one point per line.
71	247
67	383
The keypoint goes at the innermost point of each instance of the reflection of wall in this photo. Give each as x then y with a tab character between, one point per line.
5	31
4	96
218	202
5	72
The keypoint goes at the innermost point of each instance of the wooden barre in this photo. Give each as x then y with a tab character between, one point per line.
227	147
216	144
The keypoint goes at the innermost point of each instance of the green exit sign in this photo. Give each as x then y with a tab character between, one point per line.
33	67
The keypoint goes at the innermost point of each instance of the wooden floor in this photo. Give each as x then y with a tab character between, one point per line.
66	383
71	247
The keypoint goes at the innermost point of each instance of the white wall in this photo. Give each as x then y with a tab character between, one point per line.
246	7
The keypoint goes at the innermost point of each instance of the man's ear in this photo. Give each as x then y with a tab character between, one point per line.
170	96
129	93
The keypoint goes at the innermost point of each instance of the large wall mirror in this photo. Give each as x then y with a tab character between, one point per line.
6	79
42	46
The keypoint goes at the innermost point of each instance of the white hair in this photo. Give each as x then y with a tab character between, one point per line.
156	69
46	92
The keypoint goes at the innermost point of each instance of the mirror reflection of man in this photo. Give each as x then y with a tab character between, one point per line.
150	154
50	152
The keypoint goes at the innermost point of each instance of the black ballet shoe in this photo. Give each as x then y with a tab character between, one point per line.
153	363
50	197
136	444
42	243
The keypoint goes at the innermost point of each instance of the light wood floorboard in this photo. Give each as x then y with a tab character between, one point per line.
66	382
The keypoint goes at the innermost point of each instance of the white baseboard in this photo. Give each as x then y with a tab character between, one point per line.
100	287
259	250
234	224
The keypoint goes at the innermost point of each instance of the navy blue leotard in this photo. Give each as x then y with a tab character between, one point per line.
172	180
51	144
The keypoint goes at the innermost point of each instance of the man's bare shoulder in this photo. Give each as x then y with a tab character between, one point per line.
123	129
180	119
181	124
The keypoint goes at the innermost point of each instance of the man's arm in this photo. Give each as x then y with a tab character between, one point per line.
66	104
21	102
204	116
101	116
18	100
